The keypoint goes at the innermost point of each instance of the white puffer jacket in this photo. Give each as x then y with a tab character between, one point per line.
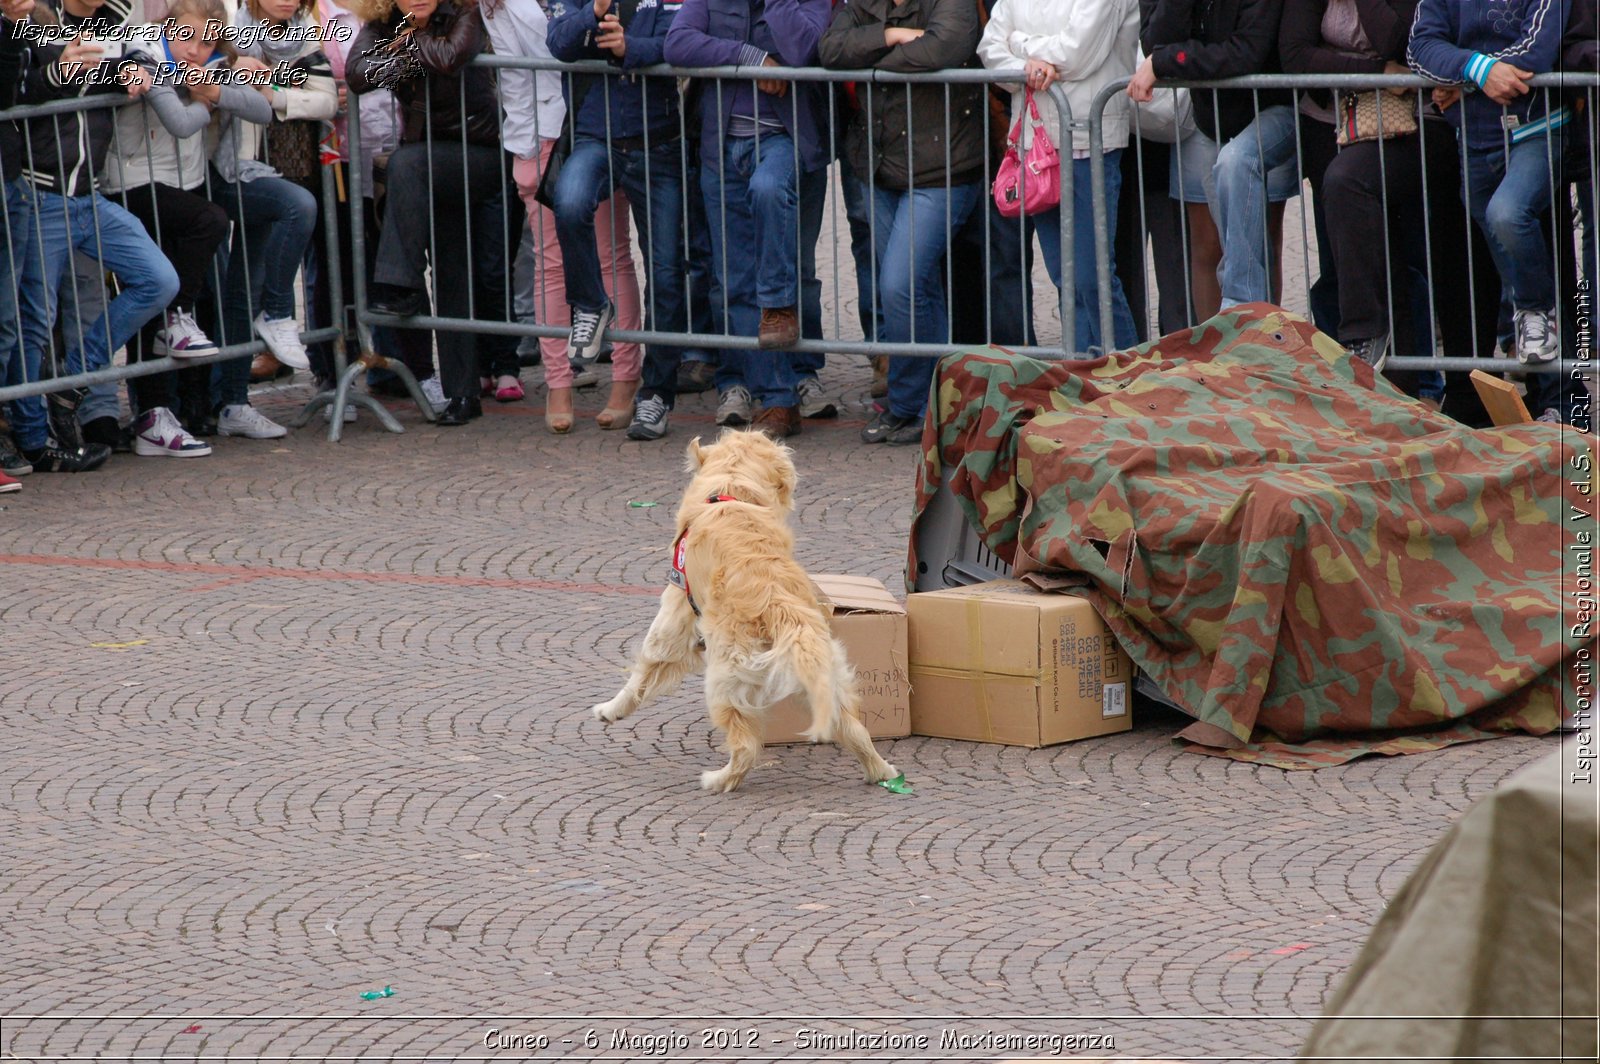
1091	43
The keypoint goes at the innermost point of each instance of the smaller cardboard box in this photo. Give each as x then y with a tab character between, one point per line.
999	662
872	627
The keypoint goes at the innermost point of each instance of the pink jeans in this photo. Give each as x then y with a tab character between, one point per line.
616	261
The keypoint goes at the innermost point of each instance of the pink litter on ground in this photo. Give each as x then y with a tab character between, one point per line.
1294	947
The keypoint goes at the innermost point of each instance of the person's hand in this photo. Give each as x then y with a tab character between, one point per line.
77	56
893	35
1039	75
1391	67
1505	83
1446	98
344	97
773	86
601	7
136	78
207	92
1142	86
610	38
16	10
245	62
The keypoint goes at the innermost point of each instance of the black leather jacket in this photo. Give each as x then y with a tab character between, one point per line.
427	71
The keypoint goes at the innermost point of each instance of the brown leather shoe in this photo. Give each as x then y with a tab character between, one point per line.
780	327
265	368
778	422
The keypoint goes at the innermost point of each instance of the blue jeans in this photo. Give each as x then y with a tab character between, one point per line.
82	305
1240	181
653	182
753	209
95	226
18	234
273	222
912	231
1085	284
859	219
1508	194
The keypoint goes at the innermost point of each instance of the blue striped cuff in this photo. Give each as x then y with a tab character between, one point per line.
1478	68
750	55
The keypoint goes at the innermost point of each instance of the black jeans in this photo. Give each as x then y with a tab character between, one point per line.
189	229
435	222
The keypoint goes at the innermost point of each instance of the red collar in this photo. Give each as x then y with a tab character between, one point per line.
679	578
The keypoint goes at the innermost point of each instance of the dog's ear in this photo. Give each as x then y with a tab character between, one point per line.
787	478
696	456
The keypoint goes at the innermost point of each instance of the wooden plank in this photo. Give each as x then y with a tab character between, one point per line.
1501	399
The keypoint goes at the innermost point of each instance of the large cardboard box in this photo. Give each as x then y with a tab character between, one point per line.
872	627
999	662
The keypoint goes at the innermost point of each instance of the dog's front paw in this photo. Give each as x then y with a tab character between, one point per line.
606	712
887	772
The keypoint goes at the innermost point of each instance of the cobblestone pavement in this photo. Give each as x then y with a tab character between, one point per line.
299	721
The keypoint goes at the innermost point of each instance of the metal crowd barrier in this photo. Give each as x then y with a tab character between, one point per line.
1573	254
53	375
1574	257
835	336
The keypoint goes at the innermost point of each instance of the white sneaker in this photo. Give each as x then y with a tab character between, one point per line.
433	391
733	407
1537	338
245	420
182	337
158	433
282	336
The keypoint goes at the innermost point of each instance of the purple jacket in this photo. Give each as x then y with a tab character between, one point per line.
710	33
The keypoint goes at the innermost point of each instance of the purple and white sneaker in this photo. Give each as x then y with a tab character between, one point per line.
158	433
182	337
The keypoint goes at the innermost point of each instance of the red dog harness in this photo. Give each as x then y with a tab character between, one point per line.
678	578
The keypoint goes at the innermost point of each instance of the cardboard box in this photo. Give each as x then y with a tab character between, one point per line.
872	627
999	662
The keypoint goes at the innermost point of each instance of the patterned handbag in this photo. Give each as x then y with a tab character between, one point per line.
1359	115
292	148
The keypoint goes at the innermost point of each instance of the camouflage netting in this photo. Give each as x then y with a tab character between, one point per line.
1313	565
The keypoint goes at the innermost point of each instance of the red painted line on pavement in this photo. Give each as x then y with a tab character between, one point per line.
230	574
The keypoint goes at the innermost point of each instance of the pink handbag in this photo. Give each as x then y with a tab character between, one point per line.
1042	189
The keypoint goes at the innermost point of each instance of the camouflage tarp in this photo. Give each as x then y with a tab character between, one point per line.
1313	565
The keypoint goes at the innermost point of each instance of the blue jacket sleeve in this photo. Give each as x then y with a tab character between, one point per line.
648	48
1538	45
1433	52
571	34
797	26
688	43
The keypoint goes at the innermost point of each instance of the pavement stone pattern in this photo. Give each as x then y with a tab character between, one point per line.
335	737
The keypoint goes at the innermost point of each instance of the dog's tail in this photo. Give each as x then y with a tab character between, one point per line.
819	665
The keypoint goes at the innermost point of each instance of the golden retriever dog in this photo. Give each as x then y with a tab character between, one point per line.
763	634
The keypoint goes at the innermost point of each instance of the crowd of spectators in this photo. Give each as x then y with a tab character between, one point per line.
189	220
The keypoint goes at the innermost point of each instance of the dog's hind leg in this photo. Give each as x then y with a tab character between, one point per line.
846	727
742	736
668	653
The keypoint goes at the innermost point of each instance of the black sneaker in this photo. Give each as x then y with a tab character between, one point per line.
393	299
887	428
1374	351
649	419
108	432
61	410
12	464
52	458
587	336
